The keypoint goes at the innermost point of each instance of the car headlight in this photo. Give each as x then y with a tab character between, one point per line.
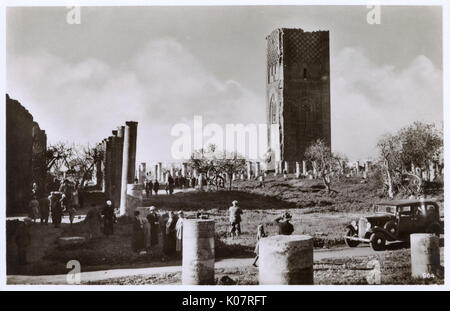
368	226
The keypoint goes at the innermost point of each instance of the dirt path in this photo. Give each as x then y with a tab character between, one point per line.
225	263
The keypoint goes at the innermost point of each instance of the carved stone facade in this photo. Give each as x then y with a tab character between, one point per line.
298	90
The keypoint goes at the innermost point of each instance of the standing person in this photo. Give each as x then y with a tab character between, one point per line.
156	186
56	209
108	218
34	189
72	212
153	219
94	219
284	225
170	181
64	203
171	233
44	210
149	188
162	220
76	198
137	240
179	231
146	232
22	238
235	219
34	209
259	234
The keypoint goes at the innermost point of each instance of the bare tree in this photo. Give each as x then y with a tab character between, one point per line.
214	164
324	162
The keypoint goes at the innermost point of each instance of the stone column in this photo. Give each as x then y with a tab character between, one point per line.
198	252
132	151
98	169
286	167
297	170
108	167
257	169
286	260
249	170
277	169
142	172
160	172
314	170
183	169
125	169
304	170
425	255
114	159
118	165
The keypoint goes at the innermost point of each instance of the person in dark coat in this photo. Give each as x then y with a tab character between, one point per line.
170	182
137	240
156	186
284	225
153	220
94	219
171	233
56	209
22	238
44	210
149	188
162	220
108	218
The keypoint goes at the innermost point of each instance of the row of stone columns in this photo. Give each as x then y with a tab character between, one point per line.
117	168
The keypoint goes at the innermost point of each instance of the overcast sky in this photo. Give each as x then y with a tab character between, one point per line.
163	65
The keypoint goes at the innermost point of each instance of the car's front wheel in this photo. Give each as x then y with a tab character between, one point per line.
349	233
377	241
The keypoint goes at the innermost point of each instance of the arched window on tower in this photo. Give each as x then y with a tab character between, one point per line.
273	110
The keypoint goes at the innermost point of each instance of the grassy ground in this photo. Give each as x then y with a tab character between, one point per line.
395	268
314	212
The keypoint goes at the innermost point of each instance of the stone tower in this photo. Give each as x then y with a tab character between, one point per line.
298	92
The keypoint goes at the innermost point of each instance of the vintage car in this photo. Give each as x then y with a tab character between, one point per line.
395	221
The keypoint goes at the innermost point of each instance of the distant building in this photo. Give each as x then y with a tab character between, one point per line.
26	147
298	91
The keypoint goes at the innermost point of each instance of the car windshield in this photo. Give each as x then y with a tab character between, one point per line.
385	209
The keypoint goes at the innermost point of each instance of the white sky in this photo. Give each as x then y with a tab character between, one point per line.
163	65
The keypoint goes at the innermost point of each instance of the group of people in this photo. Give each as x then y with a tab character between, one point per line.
101	219
153	186
283	223
65	200
147	230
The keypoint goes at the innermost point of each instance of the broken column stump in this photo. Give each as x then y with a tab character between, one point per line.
286	260
198	252
425	255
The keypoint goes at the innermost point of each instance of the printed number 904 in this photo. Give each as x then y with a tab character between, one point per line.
428	275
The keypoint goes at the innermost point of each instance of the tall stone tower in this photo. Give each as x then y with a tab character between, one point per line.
298	91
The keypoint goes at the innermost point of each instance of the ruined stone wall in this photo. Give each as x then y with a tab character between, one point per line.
298	89
23	138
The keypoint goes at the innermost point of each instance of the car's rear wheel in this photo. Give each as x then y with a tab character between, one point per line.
434	229
377	241
349	233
